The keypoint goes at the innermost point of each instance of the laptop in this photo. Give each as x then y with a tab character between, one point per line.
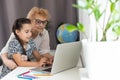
66	57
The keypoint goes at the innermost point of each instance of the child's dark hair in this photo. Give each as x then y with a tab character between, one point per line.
18	24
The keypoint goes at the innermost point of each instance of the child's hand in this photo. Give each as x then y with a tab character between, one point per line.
24	58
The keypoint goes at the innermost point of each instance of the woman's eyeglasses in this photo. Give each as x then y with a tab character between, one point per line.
38	21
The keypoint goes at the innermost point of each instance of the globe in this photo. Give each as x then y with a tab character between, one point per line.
64	36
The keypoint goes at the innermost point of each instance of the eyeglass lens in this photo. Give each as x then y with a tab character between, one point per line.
38	21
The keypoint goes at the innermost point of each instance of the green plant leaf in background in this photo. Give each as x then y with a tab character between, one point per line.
89	4
71	28
116	30
78	6
112	6
97	14
80	27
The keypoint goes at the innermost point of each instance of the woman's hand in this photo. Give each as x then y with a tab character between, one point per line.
43	61
10	64
51	58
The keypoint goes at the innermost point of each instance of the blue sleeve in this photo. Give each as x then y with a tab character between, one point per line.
33	45
14	47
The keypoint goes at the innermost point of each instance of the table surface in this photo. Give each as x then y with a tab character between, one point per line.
71	74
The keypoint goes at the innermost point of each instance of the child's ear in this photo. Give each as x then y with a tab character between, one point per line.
17	32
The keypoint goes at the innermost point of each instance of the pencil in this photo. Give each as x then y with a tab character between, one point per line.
29	76
24	73
24	77
42	74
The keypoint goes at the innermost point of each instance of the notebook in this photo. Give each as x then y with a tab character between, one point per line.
66	57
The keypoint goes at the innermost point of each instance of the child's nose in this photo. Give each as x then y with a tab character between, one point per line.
30	34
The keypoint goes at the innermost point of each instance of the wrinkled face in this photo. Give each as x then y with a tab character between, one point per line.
25	33
39	23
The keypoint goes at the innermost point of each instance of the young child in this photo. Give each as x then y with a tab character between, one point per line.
22	48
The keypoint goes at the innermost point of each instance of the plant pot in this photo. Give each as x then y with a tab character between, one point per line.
102	60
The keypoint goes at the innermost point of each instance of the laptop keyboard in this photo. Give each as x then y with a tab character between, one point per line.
48	70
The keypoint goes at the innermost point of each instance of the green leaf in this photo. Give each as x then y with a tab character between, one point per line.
71	28
89	4
78	6
116	0
112	7
108	25
80	27
116	30
97	14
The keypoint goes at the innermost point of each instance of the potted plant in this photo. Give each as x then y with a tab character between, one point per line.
112	20
101	56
